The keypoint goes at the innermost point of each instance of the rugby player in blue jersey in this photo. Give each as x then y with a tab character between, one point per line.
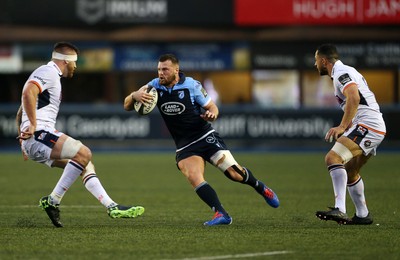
187	111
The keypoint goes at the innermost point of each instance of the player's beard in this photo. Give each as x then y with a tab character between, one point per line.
323	71
168	81
70	71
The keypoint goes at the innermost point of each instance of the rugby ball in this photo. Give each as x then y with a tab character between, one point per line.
144	109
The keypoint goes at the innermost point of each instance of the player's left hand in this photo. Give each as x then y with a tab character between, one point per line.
208	116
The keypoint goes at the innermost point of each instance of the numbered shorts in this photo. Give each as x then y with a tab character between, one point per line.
367	138
38	148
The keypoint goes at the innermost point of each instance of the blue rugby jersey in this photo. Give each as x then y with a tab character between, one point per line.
180	107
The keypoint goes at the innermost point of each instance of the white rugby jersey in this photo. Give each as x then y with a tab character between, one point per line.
368	112
47	79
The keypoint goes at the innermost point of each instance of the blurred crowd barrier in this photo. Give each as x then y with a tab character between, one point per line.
244	127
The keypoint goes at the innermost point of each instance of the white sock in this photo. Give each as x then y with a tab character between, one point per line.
356	191
339	181
71	172
93	185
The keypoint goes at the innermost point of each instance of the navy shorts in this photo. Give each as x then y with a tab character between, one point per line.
204	148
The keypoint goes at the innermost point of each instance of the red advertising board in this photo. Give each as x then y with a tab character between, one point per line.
315	12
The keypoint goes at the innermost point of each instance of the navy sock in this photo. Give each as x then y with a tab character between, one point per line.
249	179
210	197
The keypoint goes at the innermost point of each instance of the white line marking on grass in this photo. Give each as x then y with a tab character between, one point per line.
238	255
62	206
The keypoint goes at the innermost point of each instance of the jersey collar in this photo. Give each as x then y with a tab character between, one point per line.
52	64
182	77
337	63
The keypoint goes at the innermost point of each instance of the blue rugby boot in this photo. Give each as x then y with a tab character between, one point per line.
219	219
270	197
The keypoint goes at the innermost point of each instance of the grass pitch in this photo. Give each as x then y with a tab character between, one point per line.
171	227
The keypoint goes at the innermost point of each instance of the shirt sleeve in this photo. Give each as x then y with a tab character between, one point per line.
343	80
42	79
200	94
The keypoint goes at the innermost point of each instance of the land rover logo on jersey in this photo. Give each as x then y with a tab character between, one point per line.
172	108
91	11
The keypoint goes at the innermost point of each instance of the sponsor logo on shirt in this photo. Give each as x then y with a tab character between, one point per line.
172	108
42	81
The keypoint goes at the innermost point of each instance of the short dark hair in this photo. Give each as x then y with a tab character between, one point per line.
62	46
170	57
329	51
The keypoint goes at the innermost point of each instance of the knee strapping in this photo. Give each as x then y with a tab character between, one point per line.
70	148
343	152
223	160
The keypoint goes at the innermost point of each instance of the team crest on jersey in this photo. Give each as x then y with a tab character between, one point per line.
367	143
181	94
161	93
344	79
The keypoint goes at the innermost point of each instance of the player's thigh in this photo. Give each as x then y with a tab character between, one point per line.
352	146
342	151
193	165
68	148
40	147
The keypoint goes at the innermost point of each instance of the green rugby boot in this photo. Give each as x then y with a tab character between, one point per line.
120	211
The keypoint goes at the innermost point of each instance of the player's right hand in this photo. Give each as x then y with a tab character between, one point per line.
27	132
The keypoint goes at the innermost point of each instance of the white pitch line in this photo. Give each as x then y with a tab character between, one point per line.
237	256
62	206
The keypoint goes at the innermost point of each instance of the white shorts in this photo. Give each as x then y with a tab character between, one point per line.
366	137
38	148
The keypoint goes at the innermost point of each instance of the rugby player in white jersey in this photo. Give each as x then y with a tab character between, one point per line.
41	142
357	137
